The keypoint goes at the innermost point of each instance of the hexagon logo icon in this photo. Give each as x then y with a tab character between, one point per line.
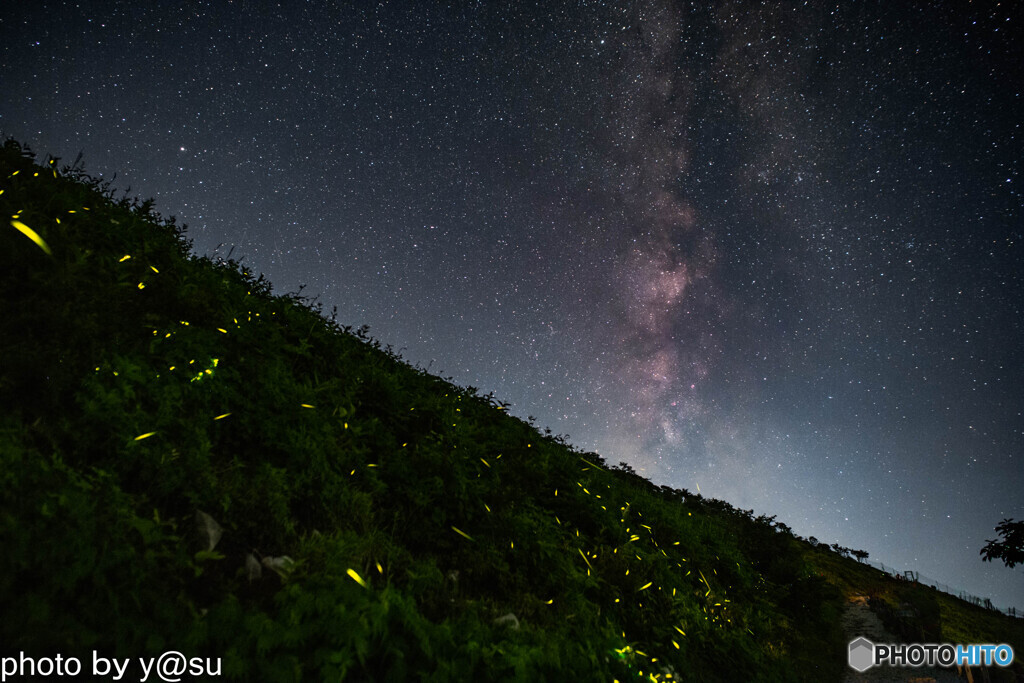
862	654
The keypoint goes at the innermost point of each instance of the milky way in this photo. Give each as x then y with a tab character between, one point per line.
665	259
769	251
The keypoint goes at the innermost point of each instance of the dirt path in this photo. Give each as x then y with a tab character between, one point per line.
859	620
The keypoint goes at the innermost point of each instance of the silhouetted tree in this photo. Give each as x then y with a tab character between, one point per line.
860	554
1010	549
841	550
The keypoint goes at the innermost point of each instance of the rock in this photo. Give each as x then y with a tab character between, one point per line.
509	620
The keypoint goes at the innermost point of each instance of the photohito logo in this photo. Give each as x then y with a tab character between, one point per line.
864	654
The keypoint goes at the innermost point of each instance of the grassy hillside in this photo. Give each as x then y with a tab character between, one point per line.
192	463
918	613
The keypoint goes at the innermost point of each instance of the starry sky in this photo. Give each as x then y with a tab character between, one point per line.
771	251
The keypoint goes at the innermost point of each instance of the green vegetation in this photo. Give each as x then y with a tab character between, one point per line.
1009	547
190	462
917	613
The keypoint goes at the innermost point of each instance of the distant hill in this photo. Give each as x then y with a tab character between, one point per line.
192	463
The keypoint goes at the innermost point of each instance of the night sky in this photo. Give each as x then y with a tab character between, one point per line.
770	251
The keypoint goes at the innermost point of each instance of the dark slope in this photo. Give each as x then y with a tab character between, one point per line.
191	463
